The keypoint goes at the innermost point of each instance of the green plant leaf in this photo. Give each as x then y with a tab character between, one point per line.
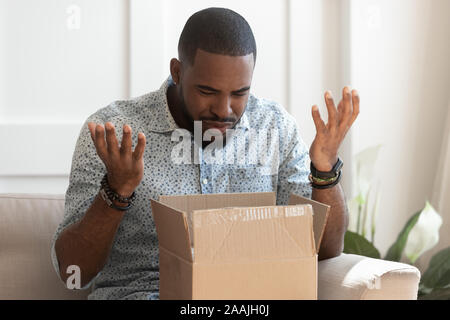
438	273
436	294
423	290
425	233
360	199
395	251
357	244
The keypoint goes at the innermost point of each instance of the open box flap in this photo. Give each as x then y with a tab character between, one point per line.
253	234
320	212
189	203
172	229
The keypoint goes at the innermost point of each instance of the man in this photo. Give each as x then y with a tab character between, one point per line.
108	229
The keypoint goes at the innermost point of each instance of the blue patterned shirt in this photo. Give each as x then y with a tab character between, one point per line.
132	269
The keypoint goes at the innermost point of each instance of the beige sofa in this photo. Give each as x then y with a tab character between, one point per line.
28	222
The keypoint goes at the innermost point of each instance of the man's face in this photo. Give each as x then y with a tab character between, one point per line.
215	89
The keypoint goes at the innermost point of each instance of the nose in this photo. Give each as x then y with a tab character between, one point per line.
222	108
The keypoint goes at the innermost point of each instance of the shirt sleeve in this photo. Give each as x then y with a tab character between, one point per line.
294	169
86	174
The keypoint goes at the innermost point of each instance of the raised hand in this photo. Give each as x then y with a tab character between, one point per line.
125	167
324	149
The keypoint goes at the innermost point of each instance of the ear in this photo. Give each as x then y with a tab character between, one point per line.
175	70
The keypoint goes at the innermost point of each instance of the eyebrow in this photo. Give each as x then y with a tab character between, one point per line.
215	90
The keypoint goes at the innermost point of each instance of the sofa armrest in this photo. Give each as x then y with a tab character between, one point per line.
354	277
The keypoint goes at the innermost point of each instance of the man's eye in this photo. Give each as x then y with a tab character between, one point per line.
206	93
239	94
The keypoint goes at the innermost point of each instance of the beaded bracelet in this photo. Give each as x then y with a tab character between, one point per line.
111	204
112	195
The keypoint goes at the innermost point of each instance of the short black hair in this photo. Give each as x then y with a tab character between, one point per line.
216	30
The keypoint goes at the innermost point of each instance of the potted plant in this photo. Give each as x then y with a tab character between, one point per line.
420	233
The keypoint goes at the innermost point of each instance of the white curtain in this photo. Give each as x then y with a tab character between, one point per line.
441	195
441	191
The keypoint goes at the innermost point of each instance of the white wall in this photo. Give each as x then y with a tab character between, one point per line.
62	60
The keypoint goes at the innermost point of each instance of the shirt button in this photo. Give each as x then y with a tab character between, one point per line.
205	181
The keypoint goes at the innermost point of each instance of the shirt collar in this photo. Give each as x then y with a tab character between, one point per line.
243	122
162	120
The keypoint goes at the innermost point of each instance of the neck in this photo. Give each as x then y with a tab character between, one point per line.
177	110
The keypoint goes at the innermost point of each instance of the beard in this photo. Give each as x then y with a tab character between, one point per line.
190	119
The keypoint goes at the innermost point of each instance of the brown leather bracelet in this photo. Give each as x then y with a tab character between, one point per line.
325	186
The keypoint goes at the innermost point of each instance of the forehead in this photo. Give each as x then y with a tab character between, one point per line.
220	70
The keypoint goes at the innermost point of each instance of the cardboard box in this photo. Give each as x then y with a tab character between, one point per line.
238	246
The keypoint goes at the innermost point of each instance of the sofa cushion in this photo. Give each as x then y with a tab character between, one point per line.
27	225
354	277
